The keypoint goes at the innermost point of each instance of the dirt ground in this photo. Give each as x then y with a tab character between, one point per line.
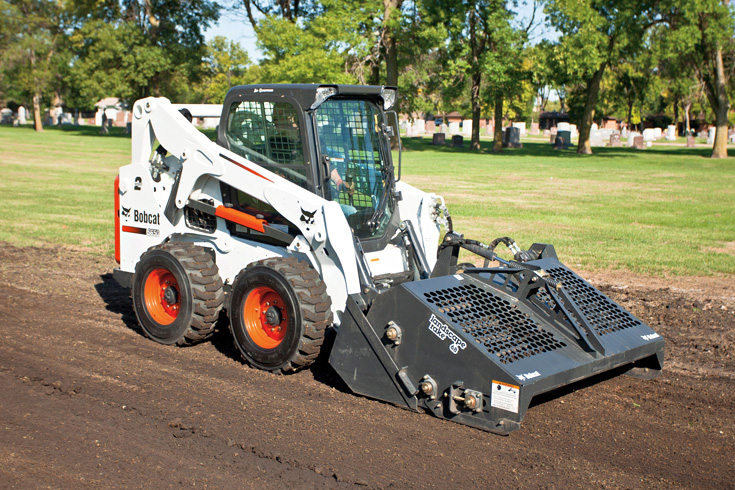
87	402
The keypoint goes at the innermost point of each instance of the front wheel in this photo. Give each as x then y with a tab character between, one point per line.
279	311
177	293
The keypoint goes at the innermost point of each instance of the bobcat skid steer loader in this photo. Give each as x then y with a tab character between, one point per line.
296	221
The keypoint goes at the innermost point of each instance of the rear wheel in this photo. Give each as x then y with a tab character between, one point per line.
279	311
177	293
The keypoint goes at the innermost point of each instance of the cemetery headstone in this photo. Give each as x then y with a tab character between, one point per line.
457	141
430	127
563	140
638	143
711	136
454	127
419	126
691	142
615	140
512	137
670	132
467	126
438	139
534	129
596	138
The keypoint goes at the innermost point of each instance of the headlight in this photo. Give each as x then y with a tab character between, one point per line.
322	94
389	97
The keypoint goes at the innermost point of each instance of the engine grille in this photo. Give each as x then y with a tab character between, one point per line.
197	220
604	315
502	328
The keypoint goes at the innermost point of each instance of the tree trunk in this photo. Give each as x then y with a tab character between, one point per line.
391	53
720	103
676	118
475	96
687	107
37	111
498	132
593	92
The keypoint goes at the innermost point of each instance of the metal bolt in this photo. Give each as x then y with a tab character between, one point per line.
391	333
427	388
470	401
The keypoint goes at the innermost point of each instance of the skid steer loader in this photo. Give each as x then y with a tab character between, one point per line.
296	221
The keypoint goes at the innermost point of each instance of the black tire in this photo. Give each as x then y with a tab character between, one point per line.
188	315
300	314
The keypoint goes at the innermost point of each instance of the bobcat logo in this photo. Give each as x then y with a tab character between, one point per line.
125	212
307	217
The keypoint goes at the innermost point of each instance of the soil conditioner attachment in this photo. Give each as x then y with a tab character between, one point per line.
295	223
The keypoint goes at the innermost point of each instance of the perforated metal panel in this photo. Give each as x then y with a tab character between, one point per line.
604	315
503	329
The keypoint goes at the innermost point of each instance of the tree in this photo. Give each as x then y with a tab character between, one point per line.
597	34
227	65
34	32
702	33
474	30
139	48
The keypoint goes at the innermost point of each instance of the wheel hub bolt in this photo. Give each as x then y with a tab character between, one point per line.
170	295
273	316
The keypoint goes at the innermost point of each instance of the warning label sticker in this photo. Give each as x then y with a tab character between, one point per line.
505	396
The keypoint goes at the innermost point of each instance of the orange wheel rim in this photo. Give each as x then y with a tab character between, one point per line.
162	296
266	320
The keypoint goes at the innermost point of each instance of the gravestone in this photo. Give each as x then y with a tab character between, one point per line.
457	141
563	126
547	132
438	139
596	138
631	138
443	128
6	116
657	133
552	133
419	127
534	129
467	127
615	140
430	127
649	134
521	126
638	143
670	132
21	115
454	127
711	136
512	137
691	142
563	140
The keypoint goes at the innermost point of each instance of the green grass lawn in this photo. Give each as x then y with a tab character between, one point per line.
667	210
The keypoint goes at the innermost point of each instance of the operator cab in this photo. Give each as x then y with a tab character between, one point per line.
331	140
